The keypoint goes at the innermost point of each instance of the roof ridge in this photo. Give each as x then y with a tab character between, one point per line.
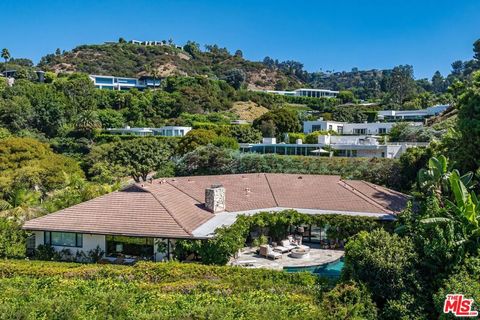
271	190
385	189
360	194
199	201
168	211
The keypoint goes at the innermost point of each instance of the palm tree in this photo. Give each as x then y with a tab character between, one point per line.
152	72
87	122
6	55
20	204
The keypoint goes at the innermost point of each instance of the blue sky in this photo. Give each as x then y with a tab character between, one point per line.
324	35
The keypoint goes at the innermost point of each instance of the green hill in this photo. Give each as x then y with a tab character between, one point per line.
133	60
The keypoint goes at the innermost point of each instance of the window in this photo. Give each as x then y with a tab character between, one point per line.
340	129
316	127
330	127
360	131
101	80
64	239
382	130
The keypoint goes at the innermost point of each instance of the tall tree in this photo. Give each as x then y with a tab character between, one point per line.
6	54
141	156
400	84
438	82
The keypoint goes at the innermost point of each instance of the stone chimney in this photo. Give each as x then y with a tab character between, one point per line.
215	198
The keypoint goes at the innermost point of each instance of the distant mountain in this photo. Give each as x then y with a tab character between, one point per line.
134	60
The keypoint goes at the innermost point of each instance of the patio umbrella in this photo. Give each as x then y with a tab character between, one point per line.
319	151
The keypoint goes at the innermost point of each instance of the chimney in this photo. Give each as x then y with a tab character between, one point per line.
215	198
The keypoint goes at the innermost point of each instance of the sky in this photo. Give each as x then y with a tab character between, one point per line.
323	35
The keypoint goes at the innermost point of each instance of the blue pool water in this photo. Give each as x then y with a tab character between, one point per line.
330	270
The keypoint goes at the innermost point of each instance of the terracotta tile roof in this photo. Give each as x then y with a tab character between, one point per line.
174	207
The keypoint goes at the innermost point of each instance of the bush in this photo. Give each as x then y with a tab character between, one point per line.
385	263
348	300
148	290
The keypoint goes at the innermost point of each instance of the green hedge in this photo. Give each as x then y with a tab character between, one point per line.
55	290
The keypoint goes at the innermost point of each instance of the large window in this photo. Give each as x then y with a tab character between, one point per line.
64	239
101	80
129	246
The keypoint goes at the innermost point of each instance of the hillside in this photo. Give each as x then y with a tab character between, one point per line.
132	60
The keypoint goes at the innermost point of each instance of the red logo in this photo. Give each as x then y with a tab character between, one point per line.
459	306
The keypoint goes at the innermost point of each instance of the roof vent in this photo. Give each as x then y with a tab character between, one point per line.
300	177
215	198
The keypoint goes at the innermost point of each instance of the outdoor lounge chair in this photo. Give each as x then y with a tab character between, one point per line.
288	245
282	249
267	251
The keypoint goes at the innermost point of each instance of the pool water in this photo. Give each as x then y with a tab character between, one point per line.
330	270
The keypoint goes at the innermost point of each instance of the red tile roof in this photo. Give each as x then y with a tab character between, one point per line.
174	207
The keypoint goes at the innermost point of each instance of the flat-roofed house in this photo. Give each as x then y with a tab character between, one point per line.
146	219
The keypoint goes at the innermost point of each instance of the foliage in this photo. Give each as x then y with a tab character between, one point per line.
406	132
466	280
469	125
387	273
149	290
348	300
12	239
195	138
25	162
276	123
140	156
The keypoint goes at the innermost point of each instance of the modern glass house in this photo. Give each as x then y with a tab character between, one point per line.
304	92
123	83
166	131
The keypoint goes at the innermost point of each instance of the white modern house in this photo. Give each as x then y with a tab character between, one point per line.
349	128
166	131
342	146
411	115
304	92
123	83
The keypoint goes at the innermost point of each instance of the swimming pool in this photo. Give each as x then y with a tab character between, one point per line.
330	270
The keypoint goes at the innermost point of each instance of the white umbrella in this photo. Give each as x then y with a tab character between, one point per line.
319	151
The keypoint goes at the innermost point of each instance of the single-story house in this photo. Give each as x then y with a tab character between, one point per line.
145	219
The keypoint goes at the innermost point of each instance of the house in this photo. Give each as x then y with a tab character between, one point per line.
349	128
304	92
342	146
411	115
166	131
124	83
146	219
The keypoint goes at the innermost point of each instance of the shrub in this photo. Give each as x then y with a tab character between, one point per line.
348	300
384	262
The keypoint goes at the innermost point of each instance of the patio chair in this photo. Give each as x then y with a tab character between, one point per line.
267	251
288	244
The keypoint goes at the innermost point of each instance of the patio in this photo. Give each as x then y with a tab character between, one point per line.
250	259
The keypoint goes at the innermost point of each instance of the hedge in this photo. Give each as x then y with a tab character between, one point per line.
55	290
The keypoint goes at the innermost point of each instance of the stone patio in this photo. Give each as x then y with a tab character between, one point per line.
250	259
